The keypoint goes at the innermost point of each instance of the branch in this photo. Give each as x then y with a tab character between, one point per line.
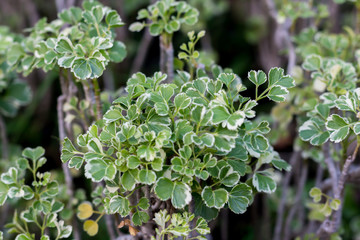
282	34
167	57
331	167
4	139
297	202
281	207
142	52
67	174
330	226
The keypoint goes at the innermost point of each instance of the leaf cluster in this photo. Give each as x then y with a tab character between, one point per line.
43	207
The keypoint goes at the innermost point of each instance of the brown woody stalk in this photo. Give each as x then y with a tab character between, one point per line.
167	56
332	224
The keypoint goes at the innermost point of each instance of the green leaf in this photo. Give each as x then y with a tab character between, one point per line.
112	115
10	177
312	63
14	53
164	188
66	61
63	231
118	52
257	78
144	203
95	169
224	140
235	120
316	194
310	131
346	103
281	164
3	192
277	78
64	45
338	127
72	15
119	205
81	69
113	19
202	226
335	204
263	182
202	210
179	192
215	198
33	153
155	29
52	189
278	93
96	67
94	145
228	177
129	179
23	236
227	78
146	152
182	101
181	195
147	176
239	198
133	162
136	27
357	128
140	218
220	114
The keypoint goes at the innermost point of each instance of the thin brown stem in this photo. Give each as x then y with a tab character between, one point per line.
142	52
4	139
167	56
297	202
332	224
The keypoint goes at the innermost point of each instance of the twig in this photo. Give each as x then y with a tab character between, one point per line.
110	227
167	57
67	174
296	205
330	226
281	207
331	166
142	52
4	140
192	223
282	34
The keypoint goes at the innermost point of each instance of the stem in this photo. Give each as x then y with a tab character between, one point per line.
297	202
357	29
330	226
142	52
295	157
98	113
4	140
167	56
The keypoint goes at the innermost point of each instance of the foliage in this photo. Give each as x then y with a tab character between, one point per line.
13	92
177	225
80	40
165	16
167	137
325	106
40	195
174	145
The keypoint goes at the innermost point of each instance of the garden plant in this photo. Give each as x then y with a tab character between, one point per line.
181	146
